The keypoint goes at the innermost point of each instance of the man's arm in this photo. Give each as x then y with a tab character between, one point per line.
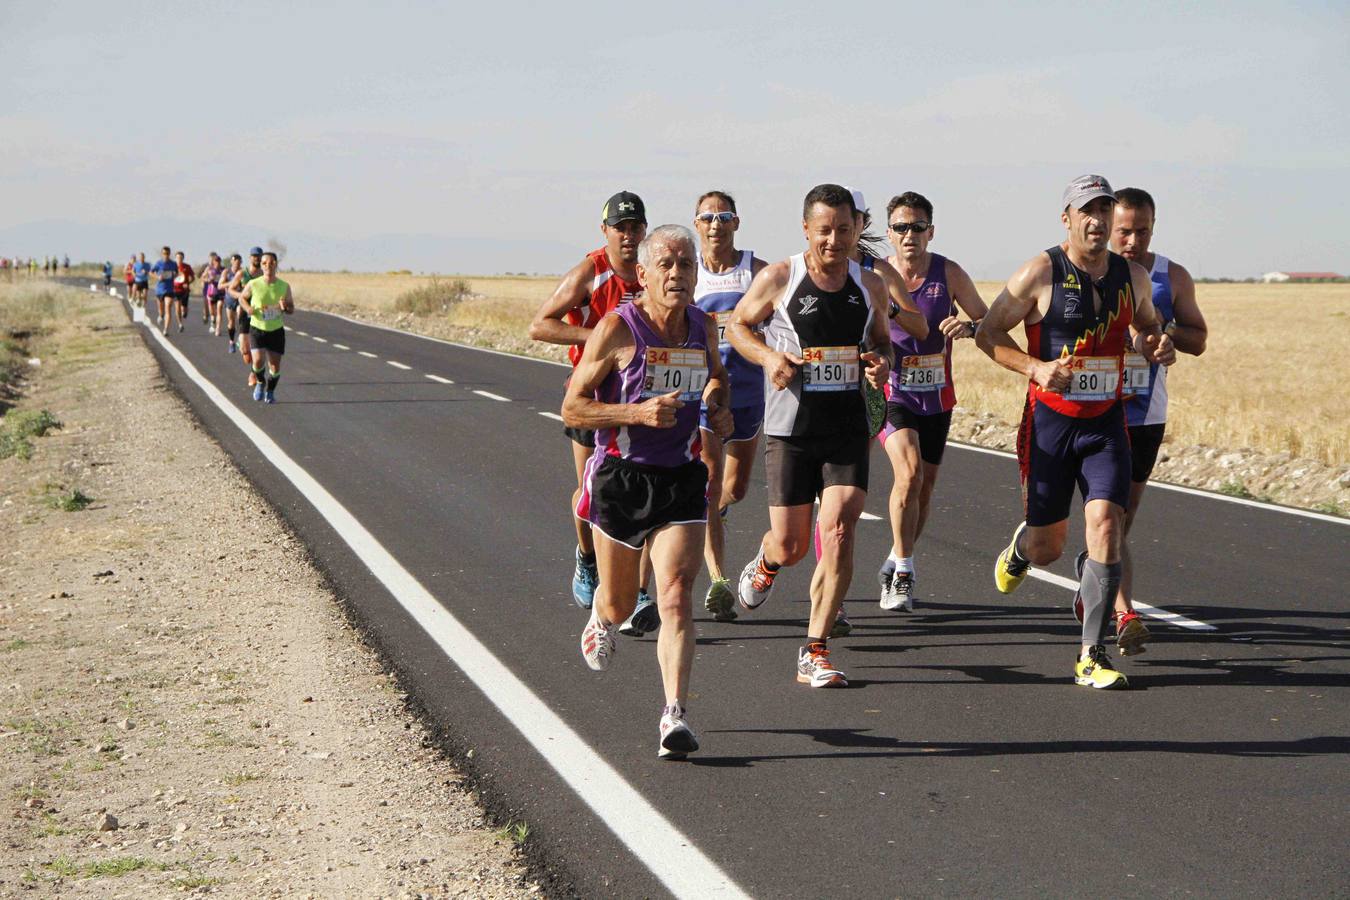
907	315
243	297
962	291
573	292
757	265
611	346
1149	340
1018	300
233	288
752	309
1190	332
717	393
879	354
288	302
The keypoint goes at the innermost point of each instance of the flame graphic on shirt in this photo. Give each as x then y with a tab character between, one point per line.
1090	342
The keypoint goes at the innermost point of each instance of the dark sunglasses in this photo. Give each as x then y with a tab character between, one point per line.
723	217
916	227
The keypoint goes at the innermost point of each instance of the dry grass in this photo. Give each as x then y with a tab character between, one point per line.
1262	383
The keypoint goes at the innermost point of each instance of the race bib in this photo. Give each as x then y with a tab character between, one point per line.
270	313
680	370
923	373
723	319
1093	377
1136	375
830	369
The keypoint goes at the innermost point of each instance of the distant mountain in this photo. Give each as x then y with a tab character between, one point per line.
302	250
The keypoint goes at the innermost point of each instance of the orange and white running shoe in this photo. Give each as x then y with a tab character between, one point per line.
756	582
597	643
1131	633
814	668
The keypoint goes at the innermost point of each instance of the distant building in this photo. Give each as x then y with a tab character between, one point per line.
1300	276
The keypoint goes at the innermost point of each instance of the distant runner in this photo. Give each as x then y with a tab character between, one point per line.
639	384
921	392
232	315
211	306
724	275
1078	302
107	274
265	298
165	271
182	286
824	321
243	321
141	272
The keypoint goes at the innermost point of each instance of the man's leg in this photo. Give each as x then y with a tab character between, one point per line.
616	595
712	456
1124	601
738	463
675	562
840	506
789	536
273	374
902	449
585	541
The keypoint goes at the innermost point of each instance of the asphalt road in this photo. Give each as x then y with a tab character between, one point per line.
962	761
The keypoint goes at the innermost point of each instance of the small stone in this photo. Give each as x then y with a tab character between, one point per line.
307	700
107	822
180	827
320	755
126	725
32	803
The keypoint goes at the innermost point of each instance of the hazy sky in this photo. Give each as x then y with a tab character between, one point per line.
491	133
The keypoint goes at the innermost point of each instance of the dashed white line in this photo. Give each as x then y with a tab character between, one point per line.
302	333
1151	611
492	396
319	339
869	517
367	353
342	347
439	379
554	416
398	365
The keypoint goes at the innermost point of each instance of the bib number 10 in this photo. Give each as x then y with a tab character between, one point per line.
685	371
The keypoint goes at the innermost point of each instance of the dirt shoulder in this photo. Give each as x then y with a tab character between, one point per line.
173	662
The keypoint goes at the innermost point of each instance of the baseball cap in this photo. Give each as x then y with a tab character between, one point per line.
1086	188
858	203
256	251
623	205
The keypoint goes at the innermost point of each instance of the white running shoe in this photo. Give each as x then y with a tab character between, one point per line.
884	579
899	596
814	668
755	584
597	644
677	738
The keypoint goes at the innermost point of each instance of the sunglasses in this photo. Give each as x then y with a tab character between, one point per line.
916	227
723	217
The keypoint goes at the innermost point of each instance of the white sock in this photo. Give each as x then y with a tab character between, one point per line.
905	564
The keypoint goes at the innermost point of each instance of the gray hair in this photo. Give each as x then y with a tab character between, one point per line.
664	234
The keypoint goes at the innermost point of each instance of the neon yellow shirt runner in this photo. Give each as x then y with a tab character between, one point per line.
266	302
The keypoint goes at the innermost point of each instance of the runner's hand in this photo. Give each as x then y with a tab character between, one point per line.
878	369
719	417
1053	375
659	412
1158	348
781	368
955	329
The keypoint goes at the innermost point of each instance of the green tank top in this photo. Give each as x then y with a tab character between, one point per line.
266	302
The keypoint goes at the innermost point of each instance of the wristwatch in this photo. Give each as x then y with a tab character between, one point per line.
1170	329
974	326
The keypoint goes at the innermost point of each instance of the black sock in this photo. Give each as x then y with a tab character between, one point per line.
231	330
272	380
587	559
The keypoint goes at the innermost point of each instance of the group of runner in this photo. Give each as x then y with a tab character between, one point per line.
49	265
686	348
248	302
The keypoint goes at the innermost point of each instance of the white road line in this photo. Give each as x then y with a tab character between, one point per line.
867	516
653	840
367	353
319	339
398	365
302	333
341	347
425	337
554	416
492	396
1151	611
440	379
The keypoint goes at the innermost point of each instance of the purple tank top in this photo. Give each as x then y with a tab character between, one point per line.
657	369
922	377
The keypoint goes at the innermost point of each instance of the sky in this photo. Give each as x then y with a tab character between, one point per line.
485	137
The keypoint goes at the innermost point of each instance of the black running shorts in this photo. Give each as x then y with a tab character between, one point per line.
628	501
932	430
1145	440
799	468
271	341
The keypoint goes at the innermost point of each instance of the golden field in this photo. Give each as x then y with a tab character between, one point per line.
1274	377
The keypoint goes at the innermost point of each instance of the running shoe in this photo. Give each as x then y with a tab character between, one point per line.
721	601
884	578
1131	633
1008	574
180	326
900	597
646	617
269	397
1097	672
584	581
233	349
258	392
677	738
756	583
814	668
1079	563
597	644
842	626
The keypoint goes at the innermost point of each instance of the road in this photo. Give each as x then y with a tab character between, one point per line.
961	761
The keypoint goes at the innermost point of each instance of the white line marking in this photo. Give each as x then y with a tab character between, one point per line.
492	396
398	365
341	347
869	517
425	337
656	843
302	333
320	340
440	379
554	416
367	353
1152	611
1194	492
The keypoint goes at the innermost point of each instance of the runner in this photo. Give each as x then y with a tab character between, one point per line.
227	278
242	320
1078	301
724	275
264	299
140	270
182	287
210	293
638	385
1146	388
818	308
921	391
605	279
165	270
107	274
